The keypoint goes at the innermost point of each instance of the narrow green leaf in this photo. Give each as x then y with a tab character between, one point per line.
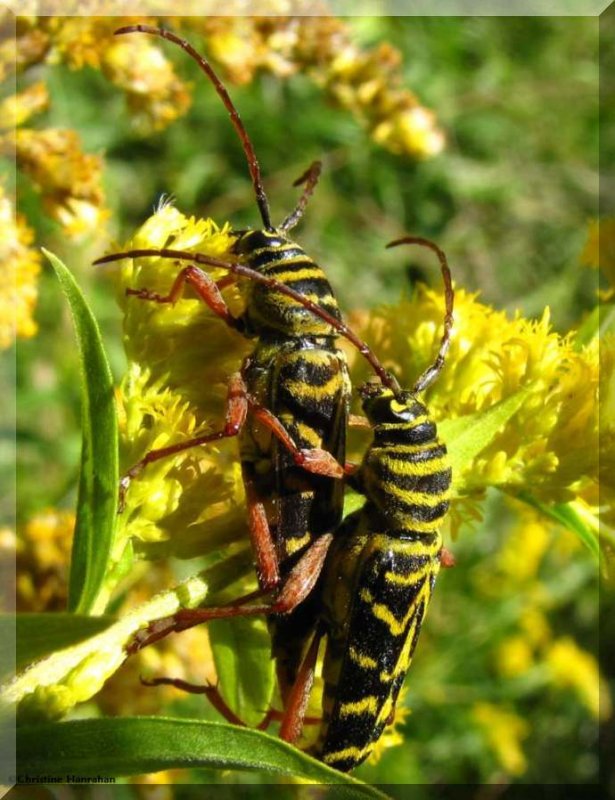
599	321
97	502
466	437
568	516
242	655
39	635
137	745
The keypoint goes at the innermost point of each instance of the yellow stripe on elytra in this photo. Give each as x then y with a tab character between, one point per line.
385	711
408	579
367	705
404	659
384	613
352	753
307	434
362	660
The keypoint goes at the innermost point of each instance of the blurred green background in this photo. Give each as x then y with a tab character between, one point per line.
509	200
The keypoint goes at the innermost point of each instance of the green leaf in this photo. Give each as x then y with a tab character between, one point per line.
242	655
54	684
39	635
599	321
353	501
466	437
137	745
98	483
567	514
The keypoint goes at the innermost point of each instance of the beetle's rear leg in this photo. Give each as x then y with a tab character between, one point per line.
213	695
294	717
297	586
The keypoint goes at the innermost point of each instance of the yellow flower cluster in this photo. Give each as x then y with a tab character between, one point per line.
19	269
366	83
155	95
531	650
68	180
43	555
18	108
550	444
180	358
504	732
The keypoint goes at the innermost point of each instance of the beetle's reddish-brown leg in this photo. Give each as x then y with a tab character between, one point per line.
299	583
203	284
236	411
294	712
212	693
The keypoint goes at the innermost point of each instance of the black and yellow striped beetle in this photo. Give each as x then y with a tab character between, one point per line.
382	566
379	573
288	403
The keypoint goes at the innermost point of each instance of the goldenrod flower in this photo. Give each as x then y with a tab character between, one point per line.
574	668
18	108
154	93
520	558
43	555
550	444
513	656
504	731
68	180
364	82
180	359
29	45
19	270
392	736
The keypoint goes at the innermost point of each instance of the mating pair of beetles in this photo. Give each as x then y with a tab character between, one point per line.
361	584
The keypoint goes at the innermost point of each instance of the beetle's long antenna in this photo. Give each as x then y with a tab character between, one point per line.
432	372
309	179
253	165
